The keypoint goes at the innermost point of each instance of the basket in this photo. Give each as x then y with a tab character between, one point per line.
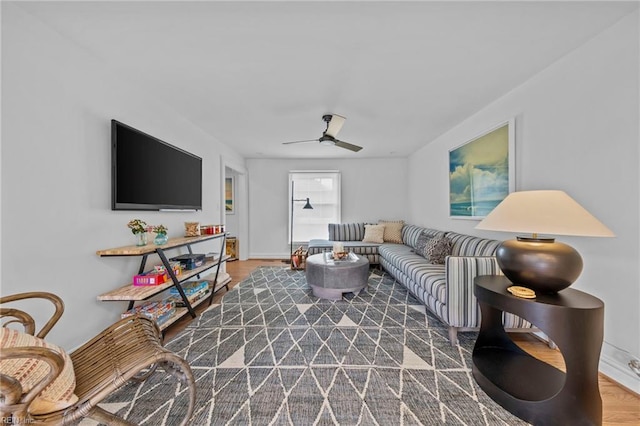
299	259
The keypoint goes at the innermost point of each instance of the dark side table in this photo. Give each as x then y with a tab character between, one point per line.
529	388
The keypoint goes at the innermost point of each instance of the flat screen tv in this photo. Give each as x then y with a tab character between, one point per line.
150	174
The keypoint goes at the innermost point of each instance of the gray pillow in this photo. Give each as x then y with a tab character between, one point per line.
437	249
421	243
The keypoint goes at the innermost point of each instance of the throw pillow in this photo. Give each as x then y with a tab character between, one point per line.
392	230
373	234
421	243
59	394
437	249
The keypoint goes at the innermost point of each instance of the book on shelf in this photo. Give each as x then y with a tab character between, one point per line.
159	311
190	288
193	298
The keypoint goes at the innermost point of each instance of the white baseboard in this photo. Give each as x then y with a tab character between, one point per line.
268	256
614	363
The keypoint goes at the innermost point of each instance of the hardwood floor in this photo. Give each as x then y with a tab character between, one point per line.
620	406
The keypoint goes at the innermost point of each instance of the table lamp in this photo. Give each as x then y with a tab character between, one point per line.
537	262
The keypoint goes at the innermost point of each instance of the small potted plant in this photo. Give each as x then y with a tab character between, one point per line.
139	229
161	235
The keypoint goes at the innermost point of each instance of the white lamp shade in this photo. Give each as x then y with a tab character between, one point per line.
543	212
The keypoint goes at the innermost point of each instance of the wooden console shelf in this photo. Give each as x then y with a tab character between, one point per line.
151	248
130	293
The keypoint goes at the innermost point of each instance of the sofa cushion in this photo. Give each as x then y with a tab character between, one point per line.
59	394
373	234
411	233
437	249
428	277
392	230
346	231
468	245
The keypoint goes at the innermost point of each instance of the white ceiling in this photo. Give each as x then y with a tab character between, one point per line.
256	74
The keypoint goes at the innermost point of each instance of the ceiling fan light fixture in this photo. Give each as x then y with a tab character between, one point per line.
327	142
328	138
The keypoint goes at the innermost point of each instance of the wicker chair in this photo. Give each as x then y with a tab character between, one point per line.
130	349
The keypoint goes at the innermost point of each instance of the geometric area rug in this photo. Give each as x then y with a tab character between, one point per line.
271	353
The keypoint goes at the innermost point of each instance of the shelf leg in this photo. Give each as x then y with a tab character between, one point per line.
175	280
215	280
143	264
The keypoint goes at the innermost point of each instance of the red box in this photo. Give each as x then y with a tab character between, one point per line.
207	230
150	278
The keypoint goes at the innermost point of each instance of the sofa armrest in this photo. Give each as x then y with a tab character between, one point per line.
462	306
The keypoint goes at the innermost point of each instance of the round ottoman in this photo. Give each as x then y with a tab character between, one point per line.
330	278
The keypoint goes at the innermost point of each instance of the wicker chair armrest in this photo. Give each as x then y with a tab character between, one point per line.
16	316
24	318
116	355
117	330
12	399
10	394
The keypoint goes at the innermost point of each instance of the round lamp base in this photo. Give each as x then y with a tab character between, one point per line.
540	264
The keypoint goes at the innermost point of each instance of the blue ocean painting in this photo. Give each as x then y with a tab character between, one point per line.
481	208
479	174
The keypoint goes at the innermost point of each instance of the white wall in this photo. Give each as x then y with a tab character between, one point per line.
372	189
576	130
57	103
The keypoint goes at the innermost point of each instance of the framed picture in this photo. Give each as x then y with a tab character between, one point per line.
229	195
482	172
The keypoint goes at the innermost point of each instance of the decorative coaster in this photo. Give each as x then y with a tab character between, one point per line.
523	292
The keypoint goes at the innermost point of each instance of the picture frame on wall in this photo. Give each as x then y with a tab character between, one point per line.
229	195
482	172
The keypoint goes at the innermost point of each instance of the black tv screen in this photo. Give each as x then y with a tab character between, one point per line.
149	174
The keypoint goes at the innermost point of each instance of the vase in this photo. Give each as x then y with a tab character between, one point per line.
160	239
141	238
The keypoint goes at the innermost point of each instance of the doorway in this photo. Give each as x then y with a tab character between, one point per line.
234	205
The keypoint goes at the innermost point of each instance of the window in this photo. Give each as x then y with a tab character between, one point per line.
323	190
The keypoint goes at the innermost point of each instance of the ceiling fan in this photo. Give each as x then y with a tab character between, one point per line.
334	124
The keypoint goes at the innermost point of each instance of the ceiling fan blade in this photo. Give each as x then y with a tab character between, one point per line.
334	126
350	147
308	140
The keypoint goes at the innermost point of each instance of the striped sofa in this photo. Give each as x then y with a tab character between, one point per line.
446	290
350	235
